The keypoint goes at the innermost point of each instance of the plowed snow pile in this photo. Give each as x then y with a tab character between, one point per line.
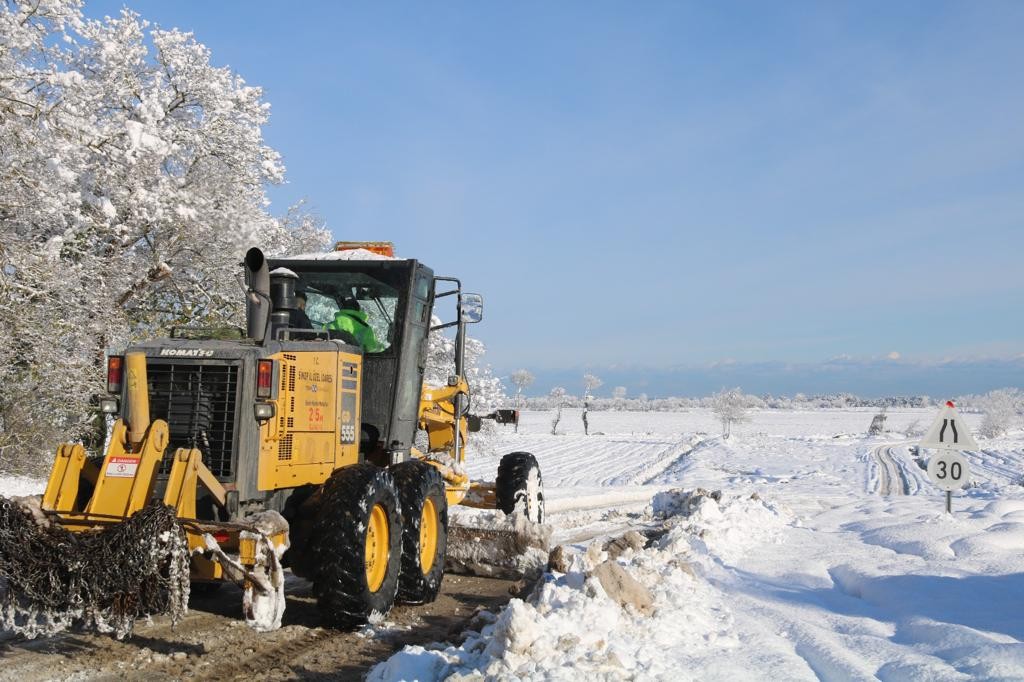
577	625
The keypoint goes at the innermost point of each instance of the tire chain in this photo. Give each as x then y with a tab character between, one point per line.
52	579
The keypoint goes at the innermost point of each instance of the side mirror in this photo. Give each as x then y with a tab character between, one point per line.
471	308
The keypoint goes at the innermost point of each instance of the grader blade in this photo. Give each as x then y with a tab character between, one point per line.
497	546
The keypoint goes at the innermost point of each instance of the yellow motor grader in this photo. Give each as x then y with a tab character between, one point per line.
291	446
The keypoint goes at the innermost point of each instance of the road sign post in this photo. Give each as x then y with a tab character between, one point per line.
949	435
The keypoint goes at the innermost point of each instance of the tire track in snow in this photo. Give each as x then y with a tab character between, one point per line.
606	461
892	478
996	464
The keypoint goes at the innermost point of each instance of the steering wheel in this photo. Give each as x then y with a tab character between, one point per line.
345	336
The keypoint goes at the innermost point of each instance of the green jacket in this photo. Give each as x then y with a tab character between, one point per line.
354	322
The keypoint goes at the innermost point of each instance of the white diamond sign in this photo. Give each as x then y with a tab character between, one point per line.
949	431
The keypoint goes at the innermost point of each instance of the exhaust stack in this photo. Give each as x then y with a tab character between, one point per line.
138	397
257	301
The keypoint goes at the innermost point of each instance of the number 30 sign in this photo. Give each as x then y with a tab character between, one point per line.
947	469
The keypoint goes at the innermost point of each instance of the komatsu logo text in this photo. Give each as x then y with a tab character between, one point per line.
186	352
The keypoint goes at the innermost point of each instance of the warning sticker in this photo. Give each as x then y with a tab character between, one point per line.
122	467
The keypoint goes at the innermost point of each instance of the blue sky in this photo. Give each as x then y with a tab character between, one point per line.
665	184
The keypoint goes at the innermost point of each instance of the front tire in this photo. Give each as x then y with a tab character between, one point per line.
519	486
356	545
425	531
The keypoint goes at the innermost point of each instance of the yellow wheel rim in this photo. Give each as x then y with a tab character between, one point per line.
377	545
428	536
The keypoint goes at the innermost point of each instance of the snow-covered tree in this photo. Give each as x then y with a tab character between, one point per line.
877	427
557	395
1000	410
590	382
486	390
521	379
730	405
132	176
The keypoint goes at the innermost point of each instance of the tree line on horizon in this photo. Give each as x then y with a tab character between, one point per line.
1001	409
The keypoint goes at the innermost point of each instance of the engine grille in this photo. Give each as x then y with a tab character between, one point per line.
198	402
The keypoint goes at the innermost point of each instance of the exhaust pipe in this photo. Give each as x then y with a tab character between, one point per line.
138	397
257	301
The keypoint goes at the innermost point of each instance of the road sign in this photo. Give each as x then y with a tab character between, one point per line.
949	431
948	470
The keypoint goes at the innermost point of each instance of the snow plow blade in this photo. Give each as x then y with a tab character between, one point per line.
494	545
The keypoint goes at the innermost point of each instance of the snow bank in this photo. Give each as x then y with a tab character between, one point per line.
717	527
572	627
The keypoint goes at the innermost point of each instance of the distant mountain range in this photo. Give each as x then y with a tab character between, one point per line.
868	378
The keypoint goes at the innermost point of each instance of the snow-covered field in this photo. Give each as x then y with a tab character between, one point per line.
816	576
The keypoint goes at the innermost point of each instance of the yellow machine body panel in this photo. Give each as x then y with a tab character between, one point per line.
437	419
316	427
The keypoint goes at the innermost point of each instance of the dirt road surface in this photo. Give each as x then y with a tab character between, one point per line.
213	643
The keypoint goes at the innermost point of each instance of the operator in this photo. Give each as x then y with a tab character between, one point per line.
352	319
297	317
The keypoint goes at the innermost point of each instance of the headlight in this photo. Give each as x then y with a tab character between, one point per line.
108	405
265	411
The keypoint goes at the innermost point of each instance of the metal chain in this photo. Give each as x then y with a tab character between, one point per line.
52	579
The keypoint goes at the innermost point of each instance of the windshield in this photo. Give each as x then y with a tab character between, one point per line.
363	296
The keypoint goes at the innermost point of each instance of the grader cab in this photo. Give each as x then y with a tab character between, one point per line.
290	446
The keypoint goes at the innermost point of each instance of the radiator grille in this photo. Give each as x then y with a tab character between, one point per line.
198	402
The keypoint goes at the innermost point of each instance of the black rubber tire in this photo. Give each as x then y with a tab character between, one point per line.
511	486
418	482
338	545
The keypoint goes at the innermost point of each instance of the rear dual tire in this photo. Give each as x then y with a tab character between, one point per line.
356	545
425	531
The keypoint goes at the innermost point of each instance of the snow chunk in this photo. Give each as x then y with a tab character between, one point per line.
715	527
21	486
55	166
141	140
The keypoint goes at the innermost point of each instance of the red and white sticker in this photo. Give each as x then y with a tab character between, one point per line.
122	467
